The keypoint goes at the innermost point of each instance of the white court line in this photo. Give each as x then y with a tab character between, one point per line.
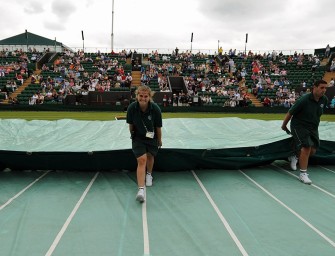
327	169
222	218
290	210
69	219
22	191
145	226
315	186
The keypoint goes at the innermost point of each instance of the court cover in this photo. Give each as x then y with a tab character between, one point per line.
188	143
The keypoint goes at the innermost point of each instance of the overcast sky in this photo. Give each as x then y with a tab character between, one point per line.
157	24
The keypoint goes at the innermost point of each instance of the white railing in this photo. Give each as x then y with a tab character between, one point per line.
58	48
194	51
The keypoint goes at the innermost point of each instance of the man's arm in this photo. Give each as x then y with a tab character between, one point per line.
287	118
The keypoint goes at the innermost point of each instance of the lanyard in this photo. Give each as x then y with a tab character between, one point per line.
145	127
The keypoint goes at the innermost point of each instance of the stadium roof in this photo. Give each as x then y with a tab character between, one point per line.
30	39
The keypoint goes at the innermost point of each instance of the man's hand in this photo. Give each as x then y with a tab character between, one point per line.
284	128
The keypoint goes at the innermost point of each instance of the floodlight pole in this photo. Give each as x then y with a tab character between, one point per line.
82	37
26	35
246	41
112	35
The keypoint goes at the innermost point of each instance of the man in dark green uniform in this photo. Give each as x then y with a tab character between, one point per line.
145	122
305	115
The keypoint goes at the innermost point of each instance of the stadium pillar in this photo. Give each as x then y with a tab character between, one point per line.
112	35
246	41
82	37
27	39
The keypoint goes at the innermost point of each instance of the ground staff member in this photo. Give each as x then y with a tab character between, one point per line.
145	122
305	115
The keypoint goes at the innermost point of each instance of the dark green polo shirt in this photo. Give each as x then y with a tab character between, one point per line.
307	111
144	121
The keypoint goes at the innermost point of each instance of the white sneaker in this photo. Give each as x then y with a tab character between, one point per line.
148	180
303	177
293	162
140	195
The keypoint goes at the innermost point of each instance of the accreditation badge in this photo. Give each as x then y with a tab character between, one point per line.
150	135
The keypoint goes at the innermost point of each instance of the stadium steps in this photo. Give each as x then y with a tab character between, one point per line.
255	102
324	62
136	78
328	76
21	88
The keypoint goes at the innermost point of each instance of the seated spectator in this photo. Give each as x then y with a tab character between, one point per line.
285	91
19	77
332	103
207	99
283	72
245	100
40	99
15	101
291	100
276	83
233	103
33	79
267	80
299	64
287	103
267	102
4	92
286	81
45	67
33	99
282	61
128	80
303	84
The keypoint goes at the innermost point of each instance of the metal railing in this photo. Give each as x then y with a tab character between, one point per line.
149	50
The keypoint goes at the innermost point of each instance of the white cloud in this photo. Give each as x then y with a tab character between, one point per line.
54	25
33	8
63	9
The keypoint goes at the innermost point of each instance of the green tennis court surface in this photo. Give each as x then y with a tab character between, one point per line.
254	211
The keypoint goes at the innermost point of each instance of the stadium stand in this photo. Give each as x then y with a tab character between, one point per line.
227	80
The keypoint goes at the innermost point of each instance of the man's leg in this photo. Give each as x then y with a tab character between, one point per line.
305	153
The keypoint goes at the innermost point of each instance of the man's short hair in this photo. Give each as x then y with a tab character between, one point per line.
318	82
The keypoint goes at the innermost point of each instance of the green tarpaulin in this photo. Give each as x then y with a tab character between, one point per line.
187	144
